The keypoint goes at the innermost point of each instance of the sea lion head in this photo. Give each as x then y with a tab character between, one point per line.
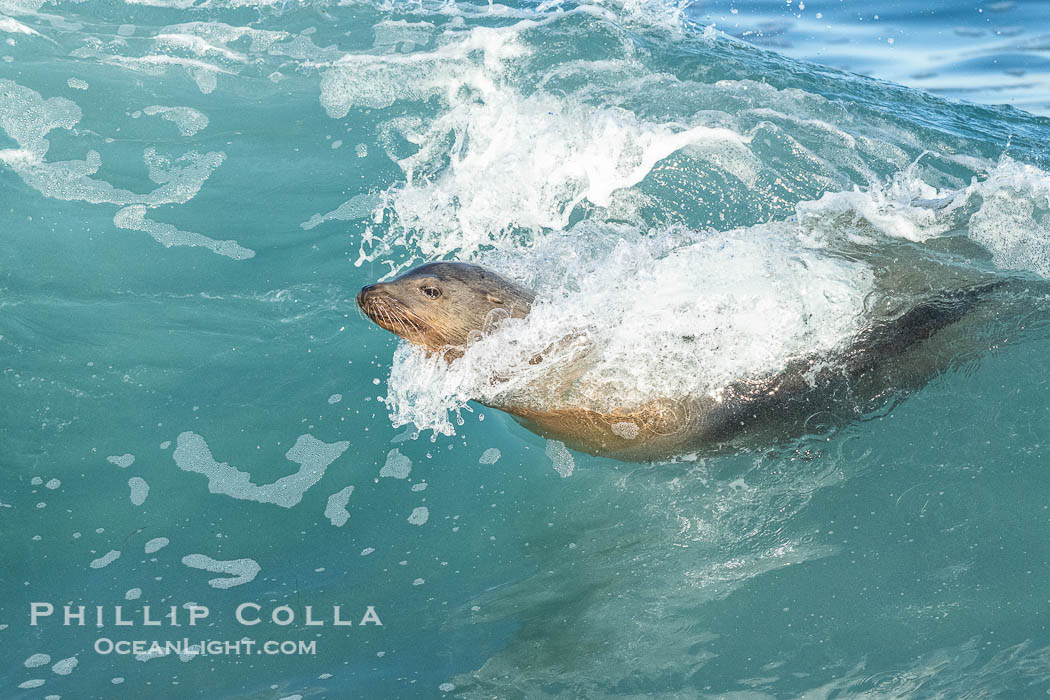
444	306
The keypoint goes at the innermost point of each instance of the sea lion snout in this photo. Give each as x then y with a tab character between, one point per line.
362	296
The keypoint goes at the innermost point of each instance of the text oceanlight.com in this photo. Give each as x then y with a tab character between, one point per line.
186	648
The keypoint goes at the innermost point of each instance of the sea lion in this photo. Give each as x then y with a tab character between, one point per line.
444	306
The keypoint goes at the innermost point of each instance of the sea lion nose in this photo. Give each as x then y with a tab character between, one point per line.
363	294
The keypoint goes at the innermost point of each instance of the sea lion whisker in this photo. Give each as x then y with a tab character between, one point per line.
405	323
399	319
393	317
408	319
416	322
385	315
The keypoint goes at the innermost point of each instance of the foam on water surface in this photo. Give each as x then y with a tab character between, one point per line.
360	206
123	461
397	465
37	660
65	666
28	117
192	454
134	218
188	120
156	544
335	510
139	490
105	560
12	26
560	458
239	571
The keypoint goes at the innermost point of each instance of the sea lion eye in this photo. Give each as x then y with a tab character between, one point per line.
430	292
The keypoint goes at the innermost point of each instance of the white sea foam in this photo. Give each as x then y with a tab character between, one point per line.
139	490
65	666
188	120
156	544
37	660
133	218
13	26
397	465
368	80
207	50
335	510
105	560
1013	221
401	35
1006	210
560	457
204	74
562	153
28	118
587	133
239	571
356	207
192	454
213	38
123	461
563	150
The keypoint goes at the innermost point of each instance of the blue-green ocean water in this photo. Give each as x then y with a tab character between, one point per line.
983	52
191	194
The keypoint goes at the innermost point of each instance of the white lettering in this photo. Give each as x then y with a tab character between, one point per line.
239	613
39	610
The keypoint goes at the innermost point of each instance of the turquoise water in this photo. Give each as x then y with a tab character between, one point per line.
995	52
194	192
